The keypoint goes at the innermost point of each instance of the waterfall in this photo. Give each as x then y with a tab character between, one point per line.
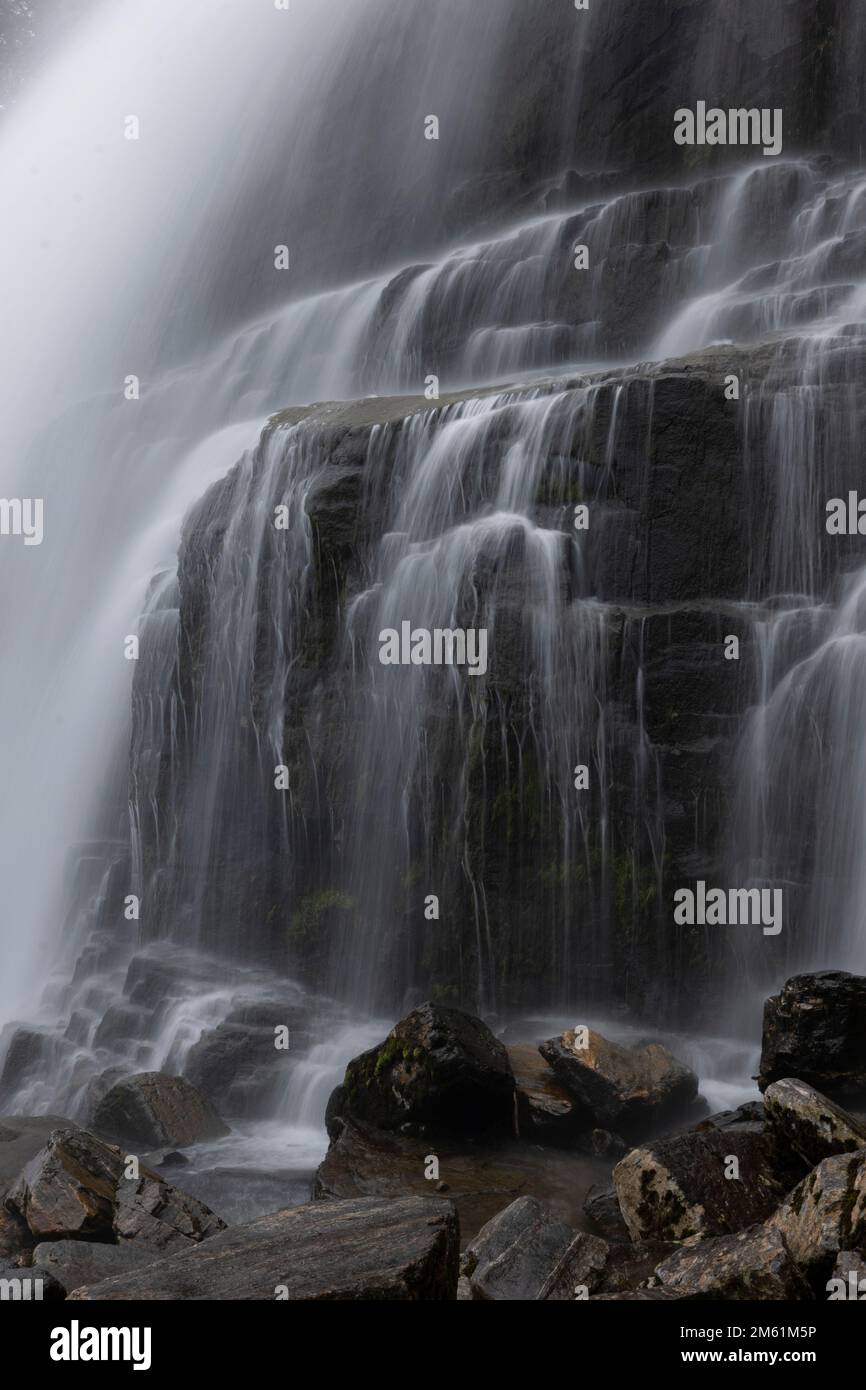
257	474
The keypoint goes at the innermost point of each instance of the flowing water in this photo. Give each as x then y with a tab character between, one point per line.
155	258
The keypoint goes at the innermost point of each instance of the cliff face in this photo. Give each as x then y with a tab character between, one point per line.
607	649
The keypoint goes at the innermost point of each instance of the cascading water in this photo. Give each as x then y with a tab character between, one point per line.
259	644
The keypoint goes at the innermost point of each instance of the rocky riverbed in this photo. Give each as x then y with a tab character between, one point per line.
462	1169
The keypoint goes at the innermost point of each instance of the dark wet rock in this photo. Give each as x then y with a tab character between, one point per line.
482	1179
76	1262
236	1065
524	1253
624	1089
32	1285
545	1109
638	1296
748	1118
753	1264
438	1067
676	1187
26	1054
16	1242
633	1266
76	1188
815	1030
372	1249
801	1118
153	1110
334	1112
825	1213
165	1158
602	1208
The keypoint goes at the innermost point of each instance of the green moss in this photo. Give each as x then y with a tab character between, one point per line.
306	923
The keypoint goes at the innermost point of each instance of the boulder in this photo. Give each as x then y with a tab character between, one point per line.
633	1266
438	1067
76	1262
629	1090
676	1187
153	1111
76	1189
826	1213
236	1066
815	1030
753	1264
15	1239
525	1254
371	1249
801	1118
602	1207
545	1109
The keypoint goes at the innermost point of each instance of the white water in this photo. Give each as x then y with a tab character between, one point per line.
141	257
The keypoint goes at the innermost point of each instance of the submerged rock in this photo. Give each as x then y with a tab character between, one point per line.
438	1067
153	1111
677	1187
815	1030
372	1249
826	1213
625	1089
76	1188
751	1264
813	1126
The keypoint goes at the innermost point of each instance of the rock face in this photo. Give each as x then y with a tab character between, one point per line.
438	1067
152	1110
624	1089
751	1264
815	1030
76	1189
76	1262
21	1138
810	1124
525	1254
826	1213
545	1109
674	1188
371	1249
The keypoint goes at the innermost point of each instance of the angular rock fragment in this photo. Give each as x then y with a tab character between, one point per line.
152	1111
76	1262
826	1213
371	1249
753	1264
677	1187
805	1121
815	1030
77	1188
545	1109
525	1254
624	1089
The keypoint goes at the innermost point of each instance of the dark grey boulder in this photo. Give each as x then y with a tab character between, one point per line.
76	1262
673	1188
753	1264
21	1138
438	1067
371	1249
152	1110
809	1123
815	1030
628	1090
76	1188
825	1213
601	1205
524	1253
